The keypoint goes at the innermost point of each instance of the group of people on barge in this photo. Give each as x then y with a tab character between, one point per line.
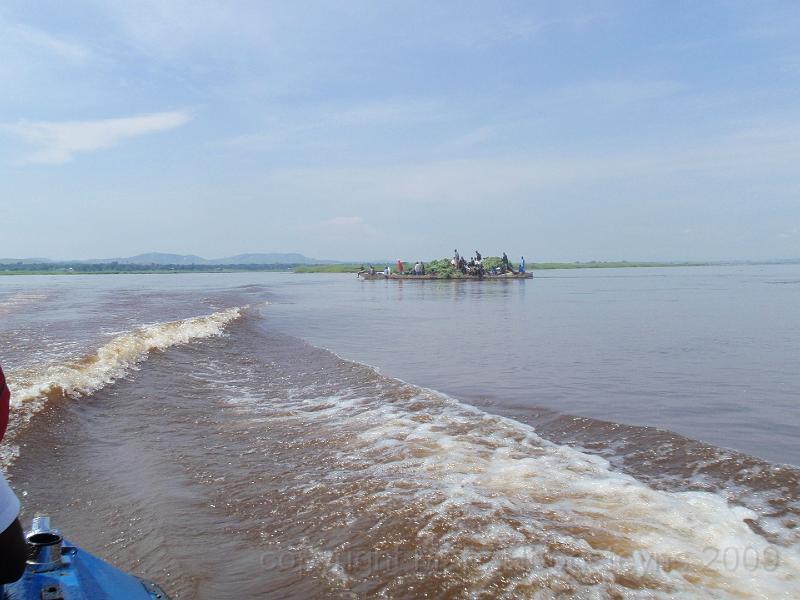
473	267
418	269
476	268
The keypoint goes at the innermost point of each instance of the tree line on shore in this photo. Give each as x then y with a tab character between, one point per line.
115	267
441	265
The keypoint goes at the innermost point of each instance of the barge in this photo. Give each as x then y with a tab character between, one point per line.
434	277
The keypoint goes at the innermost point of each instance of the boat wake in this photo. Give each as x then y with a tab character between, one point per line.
325	479
31	389
446	493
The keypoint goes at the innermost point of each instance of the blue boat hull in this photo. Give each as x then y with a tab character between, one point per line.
57	570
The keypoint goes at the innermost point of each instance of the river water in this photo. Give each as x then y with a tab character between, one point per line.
625	433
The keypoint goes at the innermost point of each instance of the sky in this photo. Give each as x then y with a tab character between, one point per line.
637	130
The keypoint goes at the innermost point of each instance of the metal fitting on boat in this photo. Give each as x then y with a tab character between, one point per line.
45	546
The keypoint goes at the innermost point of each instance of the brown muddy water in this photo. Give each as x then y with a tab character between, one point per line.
615	435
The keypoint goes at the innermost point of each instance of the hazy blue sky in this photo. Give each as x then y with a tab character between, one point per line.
596	130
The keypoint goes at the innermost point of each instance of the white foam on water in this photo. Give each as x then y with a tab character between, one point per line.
113	360
504	496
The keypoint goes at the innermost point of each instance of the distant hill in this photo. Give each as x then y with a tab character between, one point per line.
150	258
24	261
160	258
268	259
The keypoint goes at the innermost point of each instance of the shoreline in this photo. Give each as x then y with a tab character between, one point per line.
351	268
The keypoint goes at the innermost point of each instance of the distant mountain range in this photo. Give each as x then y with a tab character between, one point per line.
159	258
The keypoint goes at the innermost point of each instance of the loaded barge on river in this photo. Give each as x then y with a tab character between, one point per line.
436	277
493	268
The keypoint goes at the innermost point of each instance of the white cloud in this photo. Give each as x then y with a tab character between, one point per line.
57	143
169	29
753	155
383	112
321	126
307	128
506	26
42	40
33	59
619	94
